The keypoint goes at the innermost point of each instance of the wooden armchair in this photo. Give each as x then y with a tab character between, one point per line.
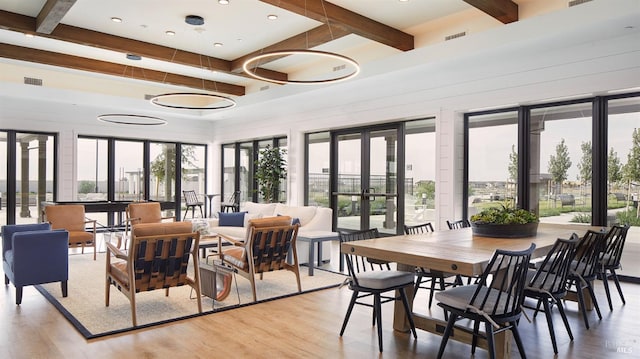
265	249
158	258
71	217
143	212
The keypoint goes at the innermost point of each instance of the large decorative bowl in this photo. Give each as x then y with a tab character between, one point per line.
504	230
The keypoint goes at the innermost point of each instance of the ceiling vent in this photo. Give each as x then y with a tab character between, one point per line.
338	68
455	36
577	2
264	88
149	97
32	81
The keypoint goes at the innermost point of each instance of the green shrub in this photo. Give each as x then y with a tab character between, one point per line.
581	218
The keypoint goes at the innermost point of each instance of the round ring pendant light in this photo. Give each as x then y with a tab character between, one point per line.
250	69
127	119
193	101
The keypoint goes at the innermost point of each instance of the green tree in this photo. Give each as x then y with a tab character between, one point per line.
559	164
585	166
614	168
428	188
86	186
632	167
163	167
271	170
513	164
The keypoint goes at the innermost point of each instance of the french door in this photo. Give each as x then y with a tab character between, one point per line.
366	186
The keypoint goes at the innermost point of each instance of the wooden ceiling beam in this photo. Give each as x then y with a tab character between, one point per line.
324	12
110	68
22	23
505	11
51	14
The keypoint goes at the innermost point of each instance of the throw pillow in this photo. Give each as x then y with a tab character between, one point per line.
200	225
250	216
232	219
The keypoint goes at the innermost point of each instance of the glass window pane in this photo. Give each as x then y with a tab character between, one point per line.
92	169
349	183
163	171
193	170
34	168
3	178
561	168
624	175
383	179
493	159
420	161
129	167
318	173
246	171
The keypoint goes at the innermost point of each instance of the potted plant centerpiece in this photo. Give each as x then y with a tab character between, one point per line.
504	222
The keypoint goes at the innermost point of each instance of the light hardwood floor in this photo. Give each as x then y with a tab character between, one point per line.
304	326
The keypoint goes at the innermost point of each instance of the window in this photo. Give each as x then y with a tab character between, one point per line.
420	176
92	177
238	167
560	157
492	160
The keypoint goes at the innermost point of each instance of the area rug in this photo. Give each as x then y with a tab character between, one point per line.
85	308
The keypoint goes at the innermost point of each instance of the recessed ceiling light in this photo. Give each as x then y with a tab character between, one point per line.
217	44
223	2
116	19
170	33
29	35
272	17
134	57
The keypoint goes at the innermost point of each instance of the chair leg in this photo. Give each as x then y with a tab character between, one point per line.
18	295
6	280
604	276
63	286
417	285
491	347
432	289
447	333
107	289
378	309
547	314
133	309
408	312
564	318
476	333
617	282
582	307
516	336
594	299
354	297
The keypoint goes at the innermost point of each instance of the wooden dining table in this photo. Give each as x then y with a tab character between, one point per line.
458	252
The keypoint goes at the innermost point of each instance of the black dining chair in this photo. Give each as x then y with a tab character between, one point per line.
462	223
496	300
372	278
547	283
232	204
584	268
610	259
424	276
191	202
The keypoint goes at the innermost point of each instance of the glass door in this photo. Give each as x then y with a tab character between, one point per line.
366	193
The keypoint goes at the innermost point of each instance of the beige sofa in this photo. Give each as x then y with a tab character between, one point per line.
313	220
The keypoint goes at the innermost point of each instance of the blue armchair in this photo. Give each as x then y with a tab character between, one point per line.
34	254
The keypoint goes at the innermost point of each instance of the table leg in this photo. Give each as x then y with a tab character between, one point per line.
310	259
319	253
